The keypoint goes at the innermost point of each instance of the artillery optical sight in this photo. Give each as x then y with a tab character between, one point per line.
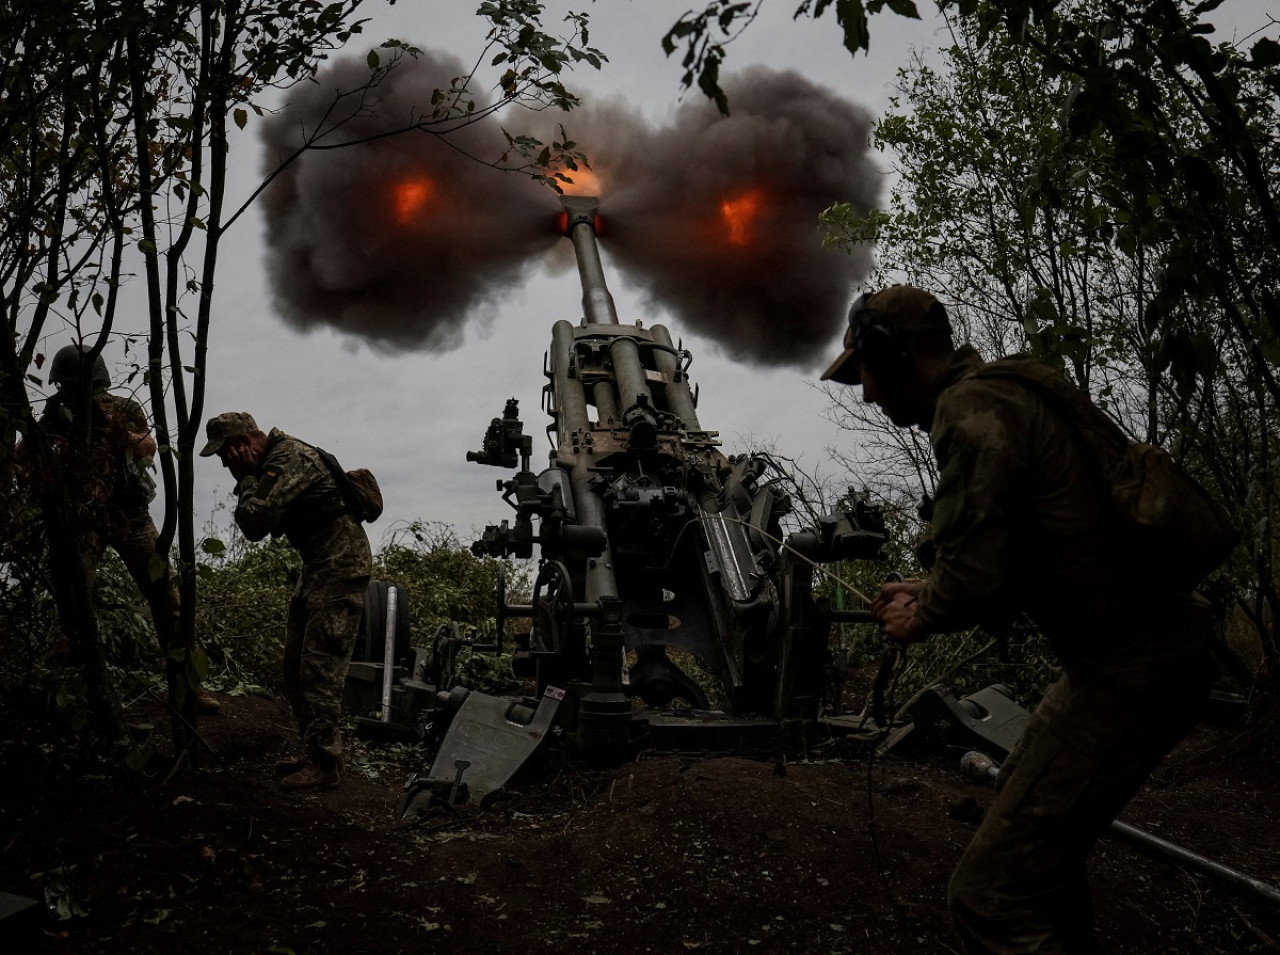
504	440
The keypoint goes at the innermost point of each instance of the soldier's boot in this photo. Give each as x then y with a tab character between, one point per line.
207	704
314	778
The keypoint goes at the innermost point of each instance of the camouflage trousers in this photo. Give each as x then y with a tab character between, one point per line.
1022	884
320	636
135	542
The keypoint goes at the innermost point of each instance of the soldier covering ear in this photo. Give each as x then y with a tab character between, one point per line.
284	488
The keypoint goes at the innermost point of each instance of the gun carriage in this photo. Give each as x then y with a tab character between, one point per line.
649	540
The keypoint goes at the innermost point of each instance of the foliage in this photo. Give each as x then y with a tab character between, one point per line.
25	605
244	597
244	604
1032	233
59	895
486	672
117	114
446	582
245	589
705	33
39	678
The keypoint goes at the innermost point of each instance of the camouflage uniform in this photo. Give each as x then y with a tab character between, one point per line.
116	492
1022	523
295	495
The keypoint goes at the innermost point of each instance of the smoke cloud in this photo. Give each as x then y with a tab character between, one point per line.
399	239
716	217
402	239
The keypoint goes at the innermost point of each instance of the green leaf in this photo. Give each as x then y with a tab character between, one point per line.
1265	53
240	116
904	8
851	15
157	567
709	80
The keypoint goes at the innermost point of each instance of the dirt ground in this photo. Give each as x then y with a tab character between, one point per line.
664	853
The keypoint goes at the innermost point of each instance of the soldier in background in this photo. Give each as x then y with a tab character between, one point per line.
1023	523
284	488
102	442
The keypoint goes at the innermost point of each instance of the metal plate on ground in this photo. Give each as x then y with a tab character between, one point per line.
487	745
710	730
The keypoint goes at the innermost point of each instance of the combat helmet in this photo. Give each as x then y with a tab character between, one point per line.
70	368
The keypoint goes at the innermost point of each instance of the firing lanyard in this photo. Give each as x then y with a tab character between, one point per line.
893	659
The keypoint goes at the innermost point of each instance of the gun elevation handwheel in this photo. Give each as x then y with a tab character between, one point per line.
552	607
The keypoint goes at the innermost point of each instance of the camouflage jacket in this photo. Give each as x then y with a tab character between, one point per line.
1022	523
294	495
115	484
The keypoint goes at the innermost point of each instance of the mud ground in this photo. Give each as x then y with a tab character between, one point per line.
664	853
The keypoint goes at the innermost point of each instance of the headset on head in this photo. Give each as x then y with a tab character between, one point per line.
882	348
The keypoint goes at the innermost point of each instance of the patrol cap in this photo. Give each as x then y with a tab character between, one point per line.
225	426
903	309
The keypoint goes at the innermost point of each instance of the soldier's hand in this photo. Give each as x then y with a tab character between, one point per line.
896	608
892	588
141	446
240	459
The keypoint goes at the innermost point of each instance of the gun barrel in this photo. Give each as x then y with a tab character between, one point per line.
597	302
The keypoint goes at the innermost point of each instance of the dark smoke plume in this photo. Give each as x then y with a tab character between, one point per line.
399	239
716	218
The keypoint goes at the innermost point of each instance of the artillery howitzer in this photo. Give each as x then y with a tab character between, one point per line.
649	539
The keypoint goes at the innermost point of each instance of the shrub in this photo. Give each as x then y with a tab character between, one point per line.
245	590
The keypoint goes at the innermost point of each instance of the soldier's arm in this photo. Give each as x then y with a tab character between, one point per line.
135	419
133	431
143	446
264	497
981	445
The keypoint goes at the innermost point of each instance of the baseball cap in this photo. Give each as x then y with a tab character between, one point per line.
227	425
904	309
